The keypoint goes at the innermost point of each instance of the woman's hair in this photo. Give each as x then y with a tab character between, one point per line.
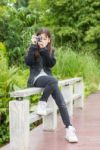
48	34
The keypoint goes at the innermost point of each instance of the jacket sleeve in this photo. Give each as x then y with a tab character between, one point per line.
29	58
50	60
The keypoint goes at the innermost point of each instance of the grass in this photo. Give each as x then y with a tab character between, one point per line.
71	64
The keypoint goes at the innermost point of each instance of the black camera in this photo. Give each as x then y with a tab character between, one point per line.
38	38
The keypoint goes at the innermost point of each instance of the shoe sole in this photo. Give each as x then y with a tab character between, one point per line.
71	141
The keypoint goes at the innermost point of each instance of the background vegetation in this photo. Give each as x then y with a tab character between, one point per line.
75	27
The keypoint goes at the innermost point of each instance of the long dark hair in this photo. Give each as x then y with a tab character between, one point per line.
48	34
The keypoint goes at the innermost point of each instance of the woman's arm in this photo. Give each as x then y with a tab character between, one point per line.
49	59
30	59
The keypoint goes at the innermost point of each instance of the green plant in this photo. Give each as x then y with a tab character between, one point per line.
78	65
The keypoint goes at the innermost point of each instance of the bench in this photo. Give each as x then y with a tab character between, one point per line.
20	118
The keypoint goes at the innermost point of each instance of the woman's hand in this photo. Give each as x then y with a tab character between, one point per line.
33	39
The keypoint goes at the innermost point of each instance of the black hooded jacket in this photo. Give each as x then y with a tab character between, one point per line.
45	61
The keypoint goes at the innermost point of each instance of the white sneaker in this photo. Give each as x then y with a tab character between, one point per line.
41	108
70	135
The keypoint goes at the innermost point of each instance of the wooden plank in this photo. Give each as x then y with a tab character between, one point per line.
69	81
26	92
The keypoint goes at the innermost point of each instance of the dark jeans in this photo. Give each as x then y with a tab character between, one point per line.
50	85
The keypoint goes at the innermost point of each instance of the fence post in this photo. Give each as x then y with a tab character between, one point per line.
67	92
79	89
50	121
19	124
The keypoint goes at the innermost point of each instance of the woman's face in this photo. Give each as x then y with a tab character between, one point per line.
44	40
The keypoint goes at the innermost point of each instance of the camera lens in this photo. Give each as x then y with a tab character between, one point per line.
39	38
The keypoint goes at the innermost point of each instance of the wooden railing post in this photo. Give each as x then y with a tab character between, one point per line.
79	89
19	124
67	92
50	121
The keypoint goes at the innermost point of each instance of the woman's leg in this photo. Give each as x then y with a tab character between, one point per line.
58	97
50	86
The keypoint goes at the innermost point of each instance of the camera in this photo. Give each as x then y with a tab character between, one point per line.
38	38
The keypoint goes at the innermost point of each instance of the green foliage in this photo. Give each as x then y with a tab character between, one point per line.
17	26
78	65
20	3
6	74
75	23
92	39
5	86
4	125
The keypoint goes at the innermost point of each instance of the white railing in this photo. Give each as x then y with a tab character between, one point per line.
20	118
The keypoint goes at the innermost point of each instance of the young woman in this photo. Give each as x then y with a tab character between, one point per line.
40	59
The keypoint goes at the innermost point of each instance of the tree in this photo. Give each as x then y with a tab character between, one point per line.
72	21
17	26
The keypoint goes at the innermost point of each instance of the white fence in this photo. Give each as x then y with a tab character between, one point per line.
20	118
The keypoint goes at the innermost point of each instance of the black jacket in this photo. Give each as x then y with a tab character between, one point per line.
45	61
